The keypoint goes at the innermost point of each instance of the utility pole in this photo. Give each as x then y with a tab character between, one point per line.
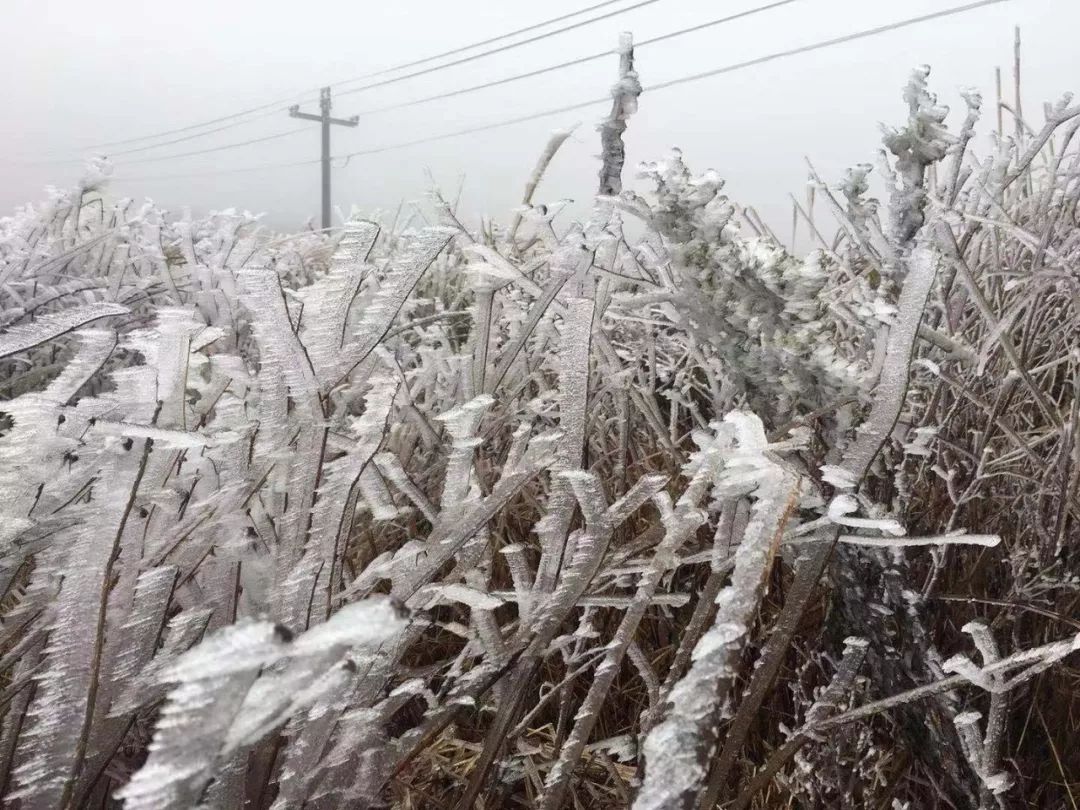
325	119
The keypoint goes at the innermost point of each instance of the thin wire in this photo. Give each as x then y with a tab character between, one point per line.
469	131
828	43
696	76
494	83
305	95
235	145
485	85
273	108
718	21
178	155
483	42
821	44
181	140
391	147
574	62
492	51
218	172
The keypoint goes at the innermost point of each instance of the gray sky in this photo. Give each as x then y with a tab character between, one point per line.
78	73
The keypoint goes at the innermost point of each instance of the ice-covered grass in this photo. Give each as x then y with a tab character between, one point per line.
548	516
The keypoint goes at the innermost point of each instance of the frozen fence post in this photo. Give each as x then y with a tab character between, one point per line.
625	95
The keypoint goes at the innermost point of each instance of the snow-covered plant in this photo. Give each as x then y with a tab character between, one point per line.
784	334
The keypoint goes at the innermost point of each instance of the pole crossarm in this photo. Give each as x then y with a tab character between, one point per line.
294	111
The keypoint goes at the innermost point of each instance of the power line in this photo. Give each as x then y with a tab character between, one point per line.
815	46
574	62
275	106
235	145
718	21
493	51
494	83
402	145
827	43
219	172
471	130
760	60
483	42
193	153
179	140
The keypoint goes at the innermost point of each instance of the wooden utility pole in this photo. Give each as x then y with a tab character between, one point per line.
324	118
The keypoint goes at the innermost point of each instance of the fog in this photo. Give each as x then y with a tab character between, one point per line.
79	74
645	515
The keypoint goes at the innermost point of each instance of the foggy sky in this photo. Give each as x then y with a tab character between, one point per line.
78	73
